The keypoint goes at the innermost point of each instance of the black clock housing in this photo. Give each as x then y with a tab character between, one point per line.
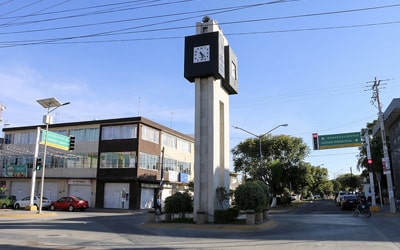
230	82
215	66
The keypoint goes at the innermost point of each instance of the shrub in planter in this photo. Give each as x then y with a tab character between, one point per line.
225	216
220	217
267	192
233	212
178	203
250	196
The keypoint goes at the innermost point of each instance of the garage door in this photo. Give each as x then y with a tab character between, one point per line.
83	191
20	189
146	198
50	190
113	195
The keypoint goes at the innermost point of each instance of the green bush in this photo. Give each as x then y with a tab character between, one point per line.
251	196
225	216
178	203
233	212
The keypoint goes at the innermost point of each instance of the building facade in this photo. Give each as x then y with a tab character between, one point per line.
392	128
116	163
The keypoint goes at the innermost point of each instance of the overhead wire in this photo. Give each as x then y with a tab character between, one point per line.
20	8
66	40
98	13
47	8
136	19
6	2
53	40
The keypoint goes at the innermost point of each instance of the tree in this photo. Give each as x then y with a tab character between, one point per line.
336	185
319	180
278	153
350	182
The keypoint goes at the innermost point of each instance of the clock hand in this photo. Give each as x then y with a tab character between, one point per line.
202	55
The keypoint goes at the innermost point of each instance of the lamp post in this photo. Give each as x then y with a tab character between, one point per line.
51	104
259	139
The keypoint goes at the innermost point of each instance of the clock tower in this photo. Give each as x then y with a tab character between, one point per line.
212	66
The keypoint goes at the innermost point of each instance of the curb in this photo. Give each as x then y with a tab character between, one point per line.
24	214
268	224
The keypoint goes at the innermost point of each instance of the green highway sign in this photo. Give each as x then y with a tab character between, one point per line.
55	140
339	140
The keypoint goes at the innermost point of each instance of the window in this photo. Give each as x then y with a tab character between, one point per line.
118	160
85	134
24	138
184	146
119	132
150	134
87	160
168	140
179	166
184	167
175	142
7	138
148	161
170	164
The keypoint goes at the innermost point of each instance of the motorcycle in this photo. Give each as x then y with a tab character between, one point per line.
363	210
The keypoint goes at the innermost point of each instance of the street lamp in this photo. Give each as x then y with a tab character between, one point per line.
51	104
259	139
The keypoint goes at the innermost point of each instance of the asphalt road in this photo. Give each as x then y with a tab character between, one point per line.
317	225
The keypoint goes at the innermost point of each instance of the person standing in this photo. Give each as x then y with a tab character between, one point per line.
157	205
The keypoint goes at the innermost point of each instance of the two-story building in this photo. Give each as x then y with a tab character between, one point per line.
116	163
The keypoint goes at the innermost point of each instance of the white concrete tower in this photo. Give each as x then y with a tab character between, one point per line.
209	54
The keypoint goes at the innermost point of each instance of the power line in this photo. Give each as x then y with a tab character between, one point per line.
119	31
23	7
18	18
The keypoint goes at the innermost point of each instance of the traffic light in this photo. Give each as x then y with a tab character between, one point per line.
38	163
315	141
369	161
71	142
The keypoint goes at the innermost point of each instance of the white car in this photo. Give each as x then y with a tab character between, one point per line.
36	201
340	197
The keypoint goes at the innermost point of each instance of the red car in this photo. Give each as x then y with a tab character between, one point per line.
70	203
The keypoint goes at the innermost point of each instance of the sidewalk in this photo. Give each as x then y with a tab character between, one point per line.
385	210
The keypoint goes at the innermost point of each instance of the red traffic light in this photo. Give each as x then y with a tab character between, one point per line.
369	162
315	141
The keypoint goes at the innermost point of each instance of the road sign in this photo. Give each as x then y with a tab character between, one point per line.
339	140
55	140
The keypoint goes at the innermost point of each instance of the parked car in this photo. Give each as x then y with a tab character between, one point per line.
339	197
36	201
70	203
349	201
7	201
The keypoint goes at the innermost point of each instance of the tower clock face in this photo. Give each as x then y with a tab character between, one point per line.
201	54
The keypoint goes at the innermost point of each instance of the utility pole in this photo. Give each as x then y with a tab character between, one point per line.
385	160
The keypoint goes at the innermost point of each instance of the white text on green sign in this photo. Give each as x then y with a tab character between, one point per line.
339	140
55	140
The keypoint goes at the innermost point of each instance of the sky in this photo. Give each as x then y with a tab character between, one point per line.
307	63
